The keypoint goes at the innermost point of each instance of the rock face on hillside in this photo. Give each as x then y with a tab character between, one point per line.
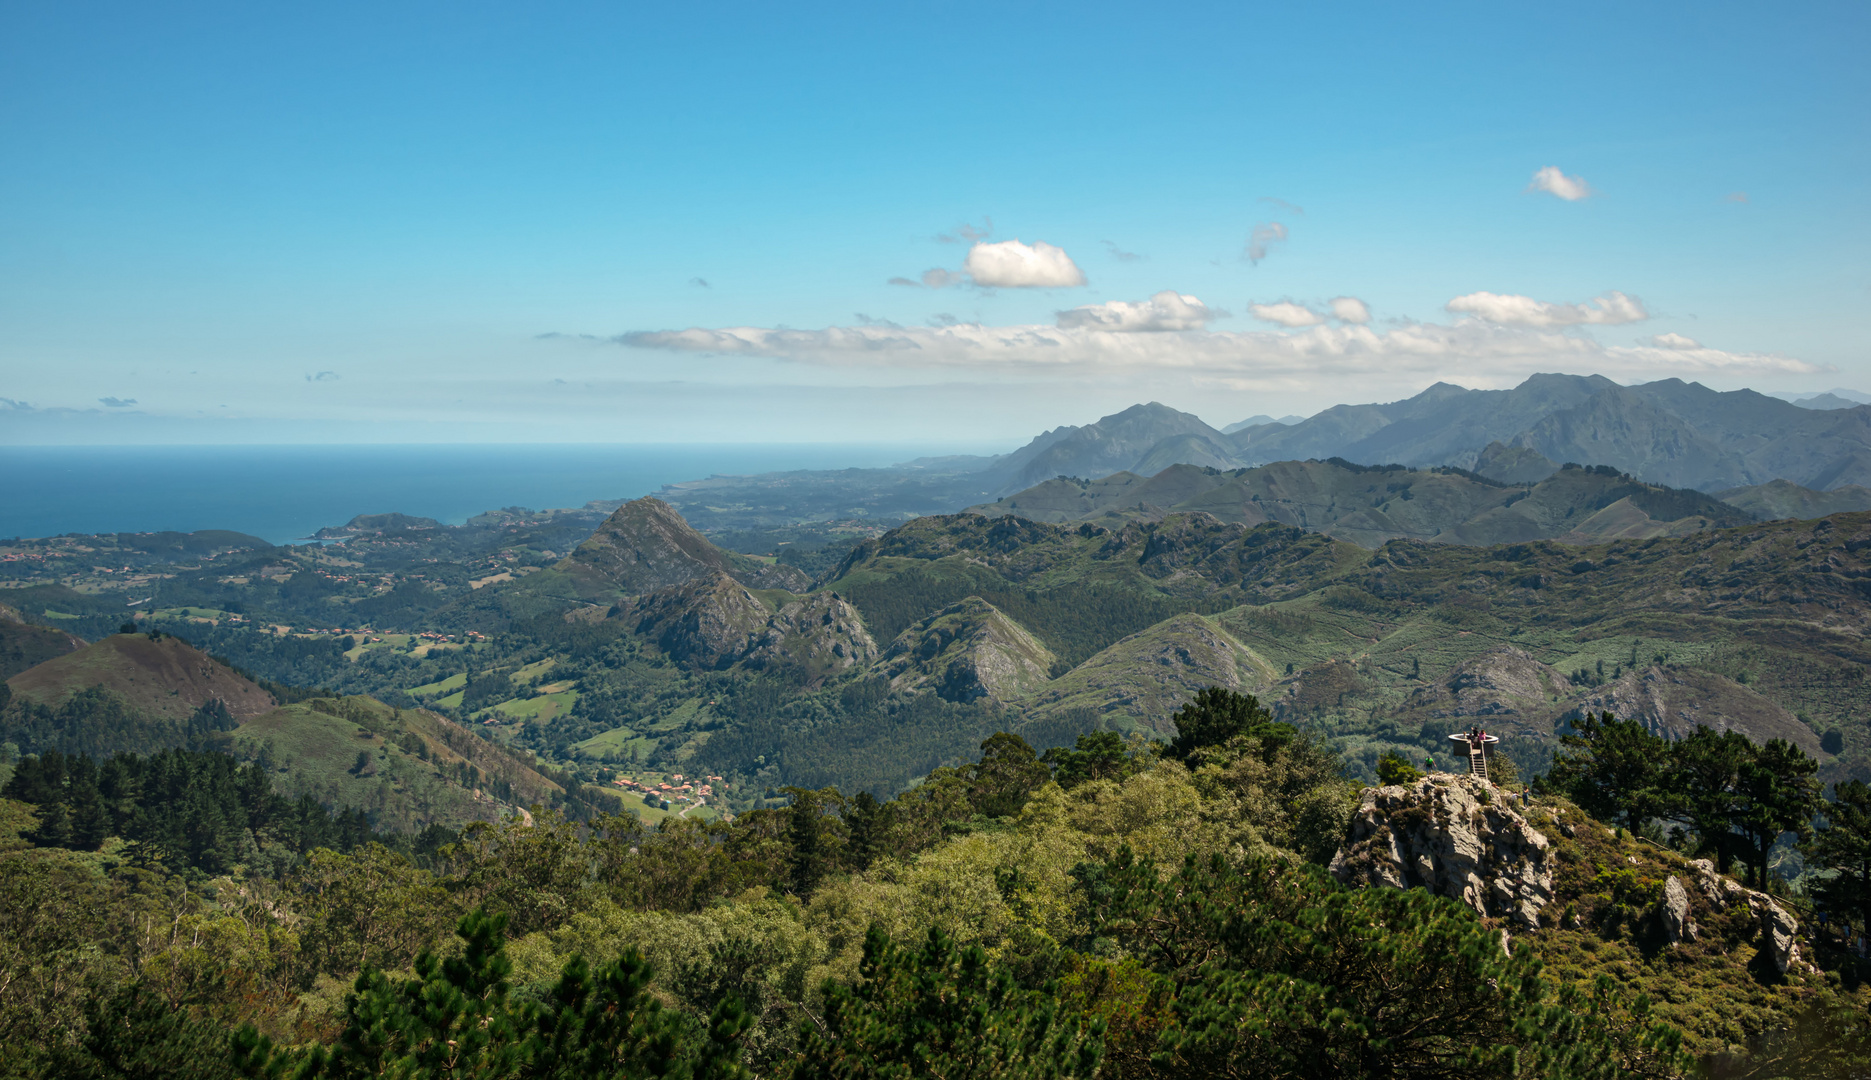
646	546
822	633
716	622
1779	930
1503	688
1671	701
1455	836
709	622
1147	676
966	651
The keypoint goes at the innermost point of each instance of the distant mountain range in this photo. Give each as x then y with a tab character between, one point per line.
1679	434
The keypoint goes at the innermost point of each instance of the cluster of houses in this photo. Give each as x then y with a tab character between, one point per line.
675	788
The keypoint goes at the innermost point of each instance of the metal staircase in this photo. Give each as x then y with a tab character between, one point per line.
1478	762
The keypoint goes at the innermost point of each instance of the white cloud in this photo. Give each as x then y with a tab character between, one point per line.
1011	264
1270	232
1554	182
1673	341
116	403
1167	310
1350	309
1285	313
1472	350
939	278
1611	309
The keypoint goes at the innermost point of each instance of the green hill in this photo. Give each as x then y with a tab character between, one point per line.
407	767
1784	499
156	674
23	645
1370	505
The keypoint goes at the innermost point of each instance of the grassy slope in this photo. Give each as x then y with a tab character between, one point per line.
316	745
1717	989
165	677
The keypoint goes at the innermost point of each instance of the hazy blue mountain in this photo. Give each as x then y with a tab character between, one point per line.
1257	421
1827	401
1113	444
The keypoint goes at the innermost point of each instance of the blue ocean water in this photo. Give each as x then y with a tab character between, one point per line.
285	493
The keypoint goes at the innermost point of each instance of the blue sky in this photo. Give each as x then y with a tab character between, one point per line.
476	222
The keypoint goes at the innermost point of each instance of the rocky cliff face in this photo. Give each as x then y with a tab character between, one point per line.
1455	836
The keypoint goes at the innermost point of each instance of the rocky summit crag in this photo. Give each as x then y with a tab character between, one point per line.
1456	836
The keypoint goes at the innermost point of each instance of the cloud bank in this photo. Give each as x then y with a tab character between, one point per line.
1166	311
1611	309
1285	313
1167	333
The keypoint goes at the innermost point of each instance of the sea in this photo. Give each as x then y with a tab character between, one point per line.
283	494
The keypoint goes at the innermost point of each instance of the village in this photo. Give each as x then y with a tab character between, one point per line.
693	792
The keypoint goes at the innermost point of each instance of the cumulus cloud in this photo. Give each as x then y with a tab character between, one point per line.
1469	349
1167	310
1554	182
1350	309
1011	264
1285	313
1611	309
116	403
1673	341
938	278
1269	232
323	376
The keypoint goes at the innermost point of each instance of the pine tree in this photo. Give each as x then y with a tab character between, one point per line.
1843	847
941	1011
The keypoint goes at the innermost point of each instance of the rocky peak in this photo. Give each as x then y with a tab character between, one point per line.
646	545
968	650
1456	836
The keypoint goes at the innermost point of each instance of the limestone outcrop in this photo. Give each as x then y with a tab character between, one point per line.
1779	929
1677	925
1455	836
